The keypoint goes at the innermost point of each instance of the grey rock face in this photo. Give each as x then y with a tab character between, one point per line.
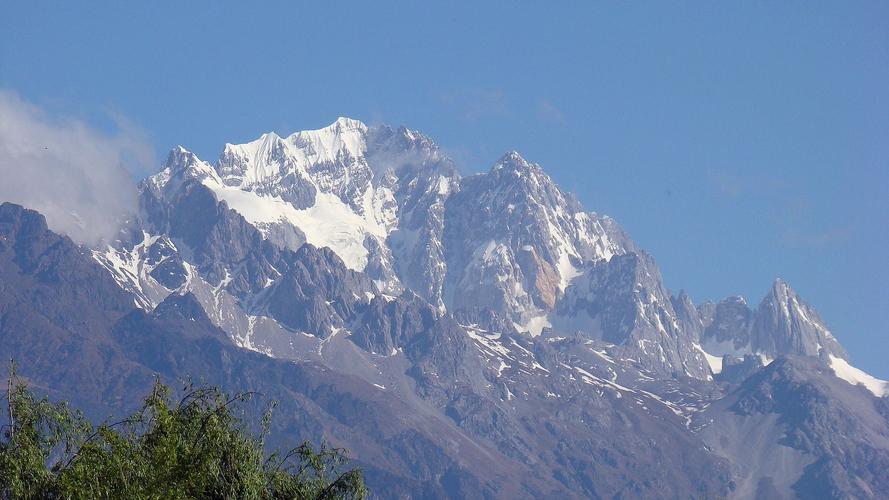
388	324
729	326
317	294
623	302
737	370
421	178
170	273
795	429
687	315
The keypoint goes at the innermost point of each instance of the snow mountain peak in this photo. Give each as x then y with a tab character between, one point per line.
512	159
512	162
180	166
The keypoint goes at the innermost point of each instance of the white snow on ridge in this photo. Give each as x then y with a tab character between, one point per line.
247	178
854	376
567	271
714	351
325	144
715	362
444	187
270	155
715	348
129	269
535	325
329	223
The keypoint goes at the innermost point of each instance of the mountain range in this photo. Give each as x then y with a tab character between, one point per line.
479	336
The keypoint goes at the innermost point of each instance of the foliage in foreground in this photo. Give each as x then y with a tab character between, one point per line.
196	447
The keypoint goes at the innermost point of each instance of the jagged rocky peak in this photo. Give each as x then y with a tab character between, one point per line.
727	326
180	166
782	324
348	160
786	324
513	161
388	202
330	159
252	159
520	181
347	187
687	314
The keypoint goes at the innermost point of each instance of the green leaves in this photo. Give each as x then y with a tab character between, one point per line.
196	447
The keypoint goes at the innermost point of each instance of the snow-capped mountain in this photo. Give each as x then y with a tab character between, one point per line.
505	244
482	335
390	204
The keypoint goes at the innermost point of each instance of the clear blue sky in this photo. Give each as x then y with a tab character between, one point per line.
736	141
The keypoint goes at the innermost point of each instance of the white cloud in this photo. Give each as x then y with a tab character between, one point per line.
72	173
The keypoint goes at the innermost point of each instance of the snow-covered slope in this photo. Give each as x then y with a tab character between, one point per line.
854	376
316	181
150	268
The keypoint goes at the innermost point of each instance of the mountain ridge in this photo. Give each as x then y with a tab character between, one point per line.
491	310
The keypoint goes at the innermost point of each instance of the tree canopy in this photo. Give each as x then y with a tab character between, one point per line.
191	446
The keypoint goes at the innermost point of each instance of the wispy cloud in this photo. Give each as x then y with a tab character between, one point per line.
74	174
550	112
725	183
816	239
476	103
794	217
734	185
798	226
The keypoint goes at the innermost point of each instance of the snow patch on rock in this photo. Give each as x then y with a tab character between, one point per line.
855	376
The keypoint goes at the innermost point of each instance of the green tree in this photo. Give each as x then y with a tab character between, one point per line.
193	447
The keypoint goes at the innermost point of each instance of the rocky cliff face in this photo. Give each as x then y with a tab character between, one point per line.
623	302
